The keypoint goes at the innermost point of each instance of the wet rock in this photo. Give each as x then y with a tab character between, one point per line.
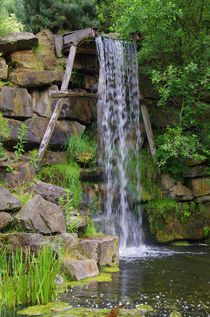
103	249
167	181
52	157
15	102
80	269
5	220
37	127
8	202
35	78
3	69
197	171
26	60
68	241
17	41
42	216
49	192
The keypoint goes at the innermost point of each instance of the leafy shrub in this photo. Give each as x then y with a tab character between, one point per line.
26	278
65	175
9	24
82	150
21	135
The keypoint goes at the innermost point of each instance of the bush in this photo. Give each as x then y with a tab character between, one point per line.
82	150
65	175
9	24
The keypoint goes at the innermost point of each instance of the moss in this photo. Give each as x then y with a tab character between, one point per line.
181	243
43	309
110	269
145	308
102	277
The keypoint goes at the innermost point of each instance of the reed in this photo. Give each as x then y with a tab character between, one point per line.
27	278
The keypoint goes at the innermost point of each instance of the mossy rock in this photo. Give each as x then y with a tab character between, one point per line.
110	269
181	244
175	314
145	308
102	277
40	310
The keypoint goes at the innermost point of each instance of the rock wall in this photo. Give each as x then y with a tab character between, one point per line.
29	68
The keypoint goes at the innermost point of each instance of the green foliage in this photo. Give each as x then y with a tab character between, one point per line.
9	24
26	278
22	140
206	231
91	230
34	158
58	15
66	204
65	175
82	149
174	53
4	133
144	167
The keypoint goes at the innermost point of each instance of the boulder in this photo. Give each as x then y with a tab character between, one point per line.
8	202
35	78
175	189
49	192
15	102
26	60
3	69
181	193
46	49
80	269
37	127
17	41
42	102
5	220
23	173
197	171
52	157
103	249
42	216
201	186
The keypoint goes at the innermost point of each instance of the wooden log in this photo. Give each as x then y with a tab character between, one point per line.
72	94
78	36
58	107
148	127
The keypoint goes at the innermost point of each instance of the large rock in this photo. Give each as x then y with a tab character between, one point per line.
15	102
78	219
175	189
23	240
201	186
23	173
197	171
8	202
80	269
3	69
42	102
26	60
52	157
46	49
37	127
5	220
104	250
41	216
81	110
17	41
35	78
49	192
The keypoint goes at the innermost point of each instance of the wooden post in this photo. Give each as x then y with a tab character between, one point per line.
58	107
148	127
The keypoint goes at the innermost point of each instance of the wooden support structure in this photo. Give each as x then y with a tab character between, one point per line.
148	127
72	94
73	39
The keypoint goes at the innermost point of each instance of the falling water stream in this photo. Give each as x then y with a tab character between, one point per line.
120	138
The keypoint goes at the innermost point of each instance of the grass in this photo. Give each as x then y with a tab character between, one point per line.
26	278
82	149
65	175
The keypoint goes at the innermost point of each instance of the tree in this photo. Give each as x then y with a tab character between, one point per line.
174	52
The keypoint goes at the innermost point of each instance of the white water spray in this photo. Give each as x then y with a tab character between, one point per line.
120	138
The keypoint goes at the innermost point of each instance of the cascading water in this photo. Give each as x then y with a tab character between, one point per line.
120	139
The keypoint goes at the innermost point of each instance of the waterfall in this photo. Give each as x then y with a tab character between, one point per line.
120	139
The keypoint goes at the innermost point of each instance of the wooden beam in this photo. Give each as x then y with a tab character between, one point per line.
79	36
148	127
58	107
72	94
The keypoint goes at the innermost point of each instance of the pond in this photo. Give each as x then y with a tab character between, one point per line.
166	278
